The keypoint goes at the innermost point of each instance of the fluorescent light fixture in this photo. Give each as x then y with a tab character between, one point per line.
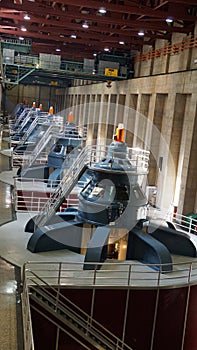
102	10
141	33
85	25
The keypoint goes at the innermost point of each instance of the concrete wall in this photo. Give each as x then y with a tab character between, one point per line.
159	114
48	96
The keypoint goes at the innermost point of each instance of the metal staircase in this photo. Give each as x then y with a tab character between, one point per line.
68	182
66	313
38	119
30	114
87	157
22	115
51	132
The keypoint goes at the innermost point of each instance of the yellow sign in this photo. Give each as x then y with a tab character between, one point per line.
54	83
111	72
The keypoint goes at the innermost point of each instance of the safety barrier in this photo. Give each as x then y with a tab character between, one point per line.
170	49
51	276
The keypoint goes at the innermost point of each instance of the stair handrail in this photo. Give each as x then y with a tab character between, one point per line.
66	185
89	155
92	325
52	131
36	151
29	130
38	119
27	118
24	112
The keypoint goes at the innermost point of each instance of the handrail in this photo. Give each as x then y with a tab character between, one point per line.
170	49
52	131
29	130
89	156
22	115
66	306
181	222
124	274
38	119
27	323
66	185
27	118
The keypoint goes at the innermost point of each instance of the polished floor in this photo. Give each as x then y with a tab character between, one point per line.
10	305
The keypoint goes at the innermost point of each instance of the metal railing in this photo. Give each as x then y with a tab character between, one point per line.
130	274
22	115
89	156
27	324
169	49
38	120
39	154
33	194
54	131
51	132
181	222
29	115
65	310
124	275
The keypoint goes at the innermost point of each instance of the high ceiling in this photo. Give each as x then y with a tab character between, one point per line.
58	25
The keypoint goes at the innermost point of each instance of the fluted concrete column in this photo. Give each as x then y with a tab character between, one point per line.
137	122
102	127
150	121
166	175
186	181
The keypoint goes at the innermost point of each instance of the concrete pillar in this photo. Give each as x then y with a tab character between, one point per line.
166	173
150	120
136	126
187	169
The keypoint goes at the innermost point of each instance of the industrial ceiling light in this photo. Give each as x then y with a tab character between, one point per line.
58	49
169	19
85	25
73	36
21	38
106	49
102	10
27	17
141	33
23	29
121	42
